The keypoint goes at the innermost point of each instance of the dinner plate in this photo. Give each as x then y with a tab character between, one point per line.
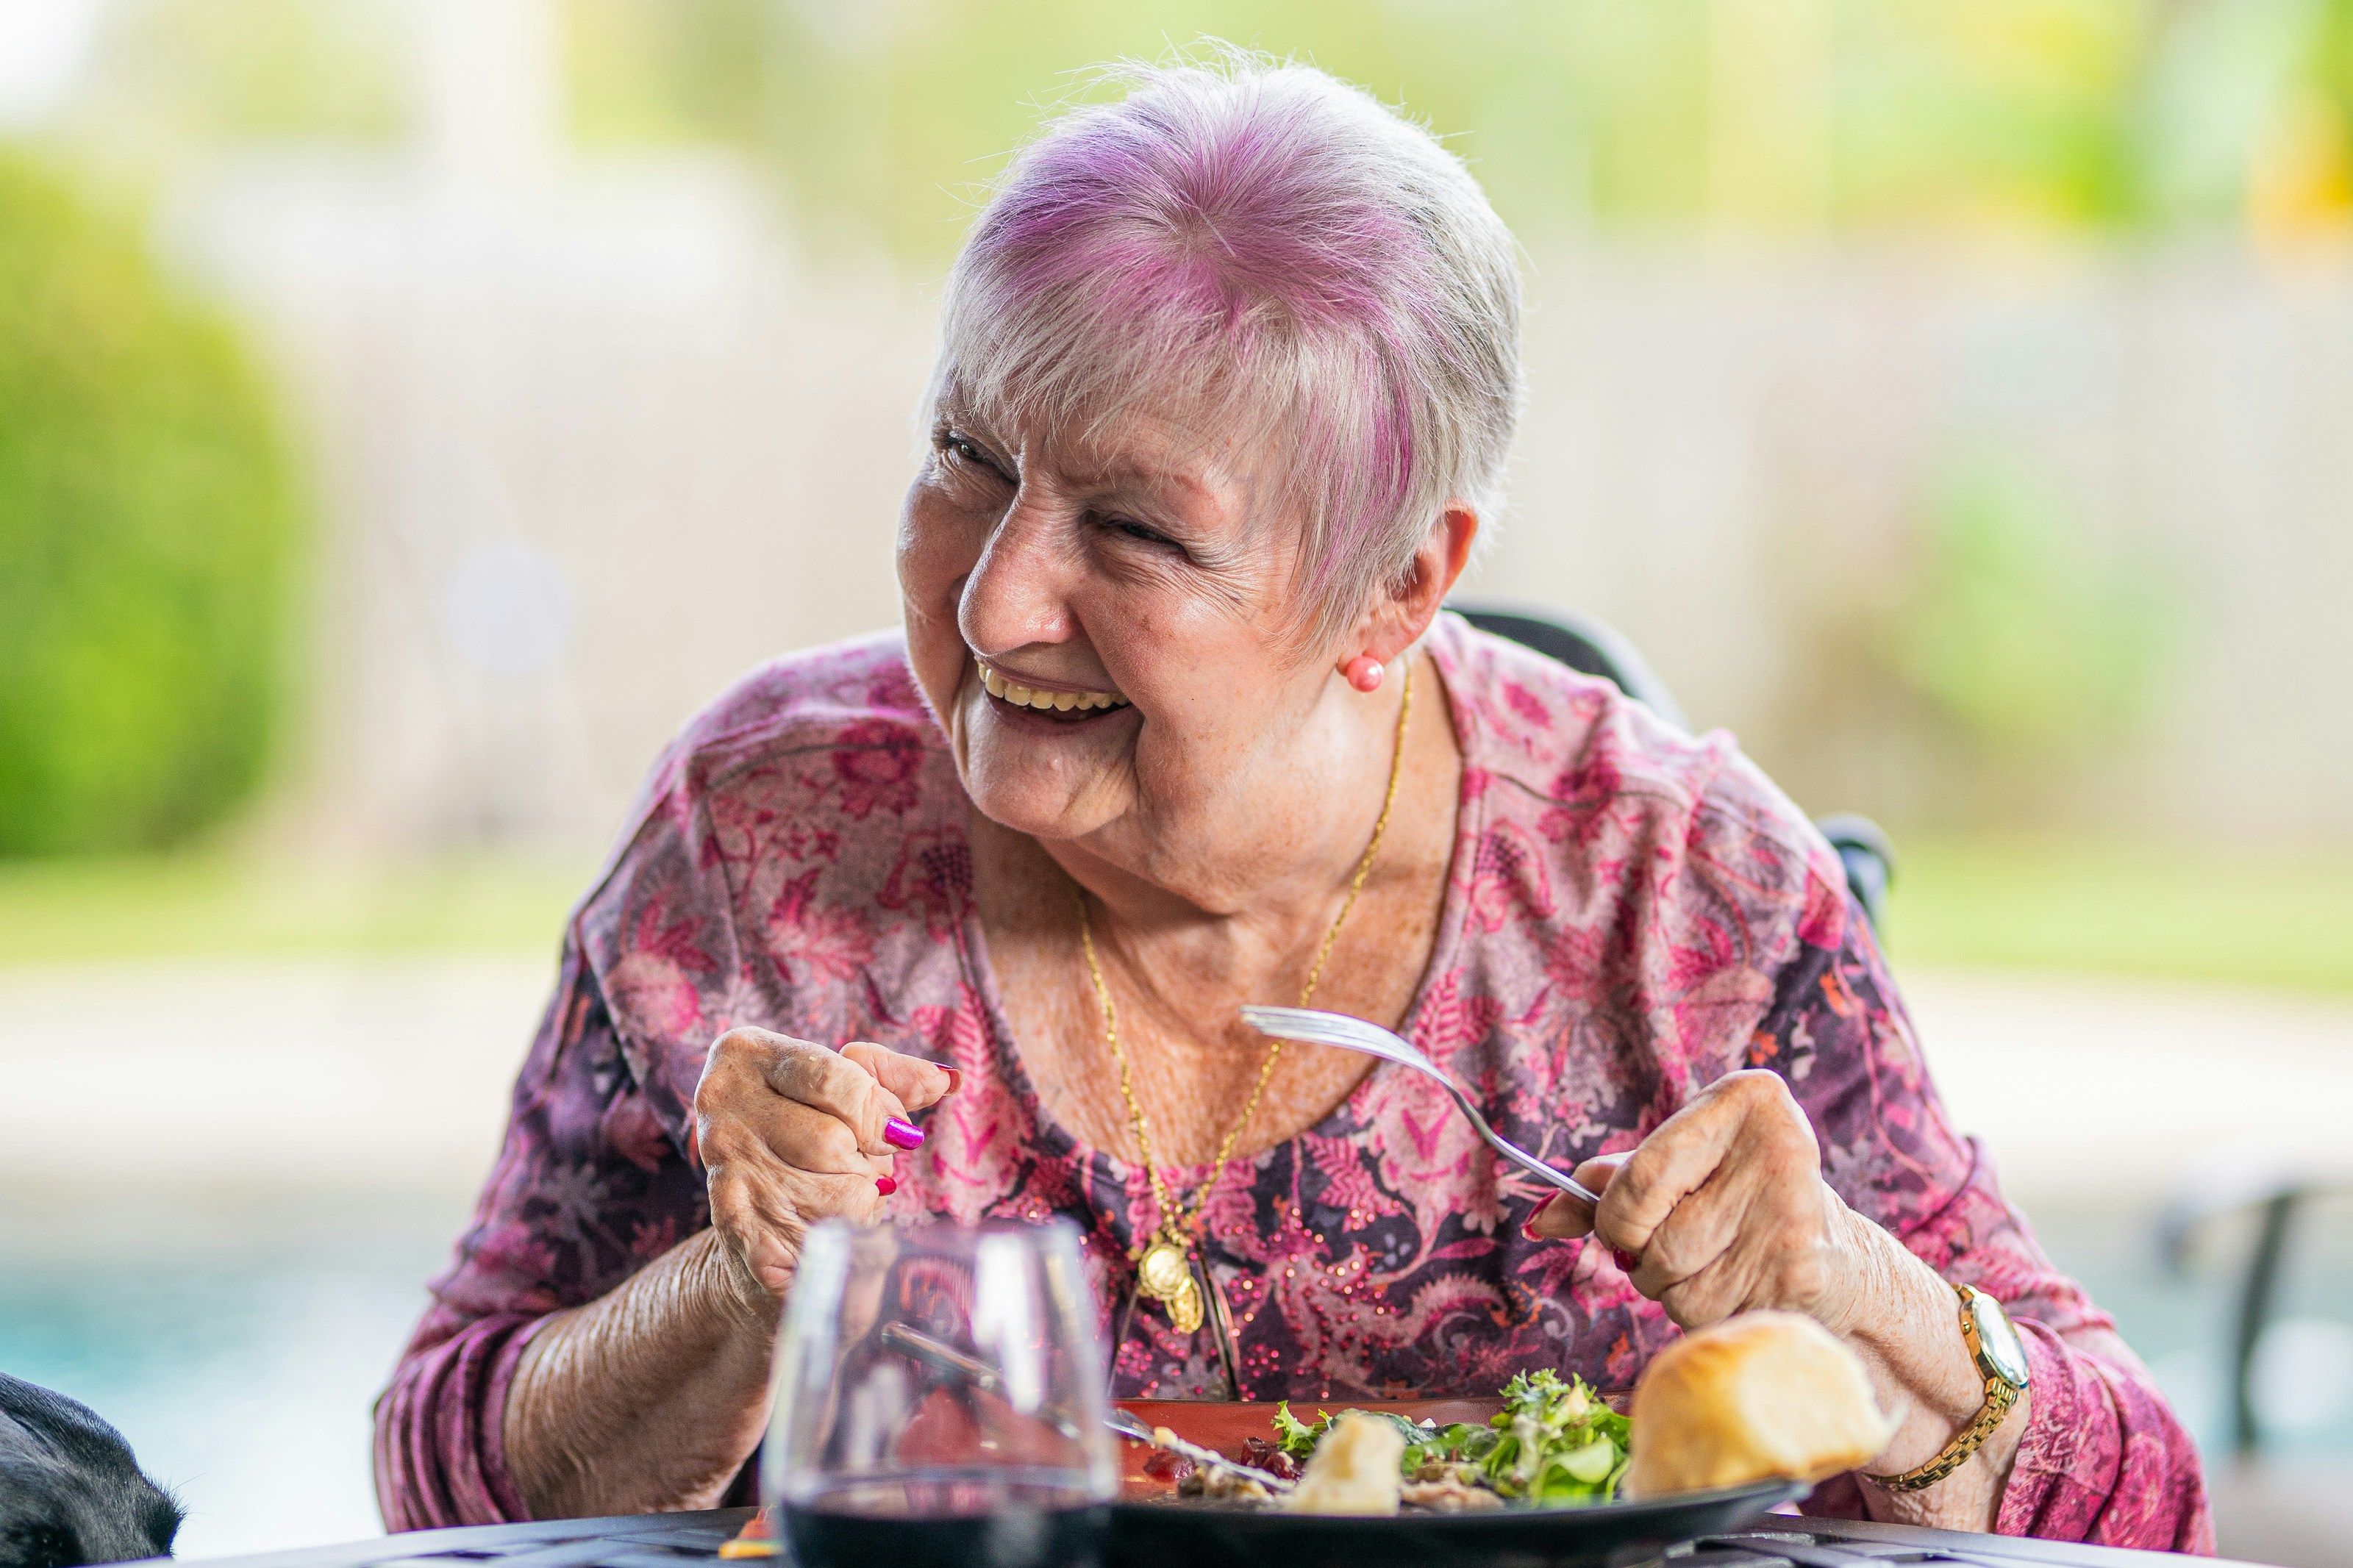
1150	1529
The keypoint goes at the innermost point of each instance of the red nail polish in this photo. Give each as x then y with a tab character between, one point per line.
886	1185
1527	1226
901	1133
1624	1260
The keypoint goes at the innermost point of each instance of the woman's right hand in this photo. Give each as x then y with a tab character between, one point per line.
790	1133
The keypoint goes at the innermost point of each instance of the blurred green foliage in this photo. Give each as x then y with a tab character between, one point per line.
173	76
147	525
2006	116
214	904
2099	905
2038	645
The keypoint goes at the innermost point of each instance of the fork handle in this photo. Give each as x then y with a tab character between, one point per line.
1513	1152
1545	1173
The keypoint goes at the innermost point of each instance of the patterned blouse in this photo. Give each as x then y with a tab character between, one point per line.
1630	914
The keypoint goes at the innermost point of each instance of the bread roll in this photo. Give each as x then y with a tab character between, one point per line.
1759	1395
1354	1469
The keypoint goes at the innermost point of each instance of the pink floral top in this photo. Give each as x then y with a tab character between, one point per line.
1630	914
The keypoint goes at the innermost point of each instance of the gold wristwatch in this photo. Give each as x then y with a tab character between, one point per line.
2001	1359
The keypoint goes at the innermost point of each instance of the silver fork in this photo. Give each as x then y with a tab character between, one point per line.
948	1359
1130	1426
1316	1028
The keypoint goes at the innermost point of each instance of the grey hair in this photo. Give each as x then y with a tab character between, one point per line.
1256	241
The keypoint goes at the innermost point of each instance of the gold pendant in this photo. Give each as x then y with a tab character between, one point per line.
1162	1273
1166	1275
1185	1307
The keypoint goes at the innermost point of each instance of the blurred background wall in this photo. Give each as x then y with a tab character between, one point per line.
412	410
1953	408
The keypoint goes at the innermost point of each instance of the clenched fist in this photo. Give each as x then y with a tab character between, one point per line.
1723	1209
791	1132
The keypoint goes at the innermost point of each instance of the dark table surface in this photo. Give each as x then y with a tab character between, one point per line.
674	1540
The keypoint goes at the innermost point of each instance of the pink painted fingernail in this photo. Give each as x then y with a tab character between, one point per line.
1527	1226
901	1133
956	1079
886	1185
1624	1260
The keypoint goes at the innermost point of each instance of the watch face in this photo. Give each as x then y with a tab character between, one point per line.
1998	1345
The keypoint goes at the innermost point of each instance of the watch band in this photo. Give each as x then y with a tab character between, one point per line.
2000	1395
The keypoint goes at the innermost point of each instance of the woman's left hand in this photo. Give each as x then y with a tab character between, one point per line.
1723	1209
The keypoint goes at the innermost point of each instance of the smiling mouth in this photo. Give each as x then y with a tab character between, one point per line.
1067	704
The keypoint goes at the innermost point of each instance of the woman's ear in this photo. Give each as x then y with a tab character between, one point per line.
1412	600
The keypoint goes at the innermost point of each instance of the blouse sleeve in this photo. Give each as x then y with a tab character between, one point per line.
589	1187
591	1182
2103	1459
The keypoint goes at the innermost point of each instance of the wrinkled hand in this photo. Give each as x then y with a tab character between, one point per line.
790	1133
1723	1209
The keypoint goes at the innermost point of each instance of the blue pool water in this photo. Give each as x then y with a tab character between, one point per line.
239	1364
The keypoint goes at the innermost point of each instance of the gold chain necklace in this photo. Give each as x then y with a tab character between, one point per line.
1163	1264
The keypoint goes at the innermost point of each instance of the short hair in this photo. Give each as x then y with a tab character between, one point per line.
1261	242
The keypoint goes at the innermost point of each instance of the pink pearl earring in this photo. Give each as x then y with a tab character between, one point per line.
1364	673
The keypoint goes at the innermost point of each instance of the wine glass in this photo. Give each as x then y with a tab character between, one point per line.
940	1401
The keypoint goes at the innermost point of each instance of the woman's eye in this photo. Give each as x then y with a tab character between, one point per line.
963	451
1135	531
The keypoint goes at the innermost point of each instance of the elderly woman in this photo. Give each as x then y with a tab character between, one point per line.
956	926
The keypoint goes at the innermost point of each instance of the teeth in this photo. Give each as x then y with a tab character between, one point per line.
1021	696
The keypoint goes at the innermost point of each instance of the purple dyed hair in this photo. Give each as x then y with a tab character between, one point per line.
1260	247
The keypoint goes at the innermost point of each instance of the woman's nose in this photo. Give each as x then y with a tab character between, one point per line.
1018	593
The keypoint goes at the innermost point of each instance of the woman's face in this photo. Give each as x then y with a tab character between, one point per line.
1109	632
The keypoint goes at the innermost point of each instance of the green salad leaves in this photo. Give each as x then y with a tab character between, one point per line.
1298	1439
1553	1441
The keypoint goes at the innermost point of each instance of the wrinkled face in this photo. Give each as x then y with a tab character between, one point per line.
1110	632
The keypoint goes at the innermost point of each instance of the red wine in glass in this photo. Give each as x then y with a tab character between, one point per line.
948	1519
